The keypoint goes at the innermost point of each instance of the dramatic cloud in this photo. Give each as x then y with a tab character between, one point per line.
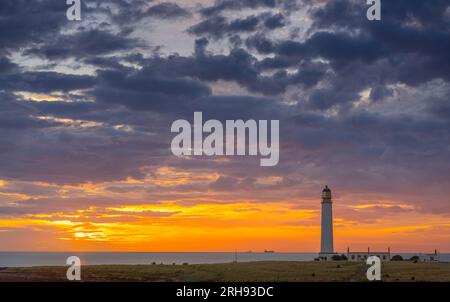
44	81
223	5
218	26
146	89
23	22
86	109
83	44
167	10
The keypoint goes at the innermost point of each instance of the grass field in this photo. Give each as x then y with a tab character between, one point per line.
252	271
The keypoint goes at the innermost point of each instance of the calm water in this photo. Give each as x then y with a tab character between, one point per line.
10	259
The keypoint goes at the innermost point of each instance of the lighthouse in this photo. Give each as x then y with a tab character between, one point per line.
326	243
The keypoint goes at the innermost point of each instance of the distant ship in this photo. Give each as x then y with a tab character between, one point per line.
269	252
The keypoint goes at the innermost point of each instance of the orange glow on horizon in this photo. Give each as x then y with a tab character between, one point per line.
150	214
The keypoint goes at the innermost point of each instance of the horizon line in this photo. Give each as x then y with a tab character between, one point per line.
204	252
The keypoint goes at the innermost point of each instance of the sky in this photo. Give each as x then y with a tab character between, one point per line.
86	108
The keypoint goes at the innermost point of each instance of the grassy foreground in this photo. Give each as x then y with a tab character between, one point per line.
252	271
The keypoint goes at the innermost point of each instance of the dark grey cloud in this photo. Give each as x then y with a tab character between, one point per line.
78	109
63	156
218	26
365	54
167	10
6	65
23	22
146	89
17	115
240	107
239	66
380	92
44	81
83	45
402	13
223	5
439	107
274	21
127	13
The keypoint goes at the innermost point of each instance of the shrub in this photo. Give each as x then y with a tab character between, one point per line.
397	258
339	258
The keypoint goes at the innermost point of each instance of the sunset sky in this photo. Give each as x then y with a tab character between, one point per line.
86	109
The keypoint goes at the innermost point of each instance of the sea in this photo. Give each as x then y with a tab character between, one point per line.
30	259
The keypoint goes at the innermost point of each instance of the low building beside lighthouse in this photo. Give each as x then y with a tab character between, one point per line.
363	256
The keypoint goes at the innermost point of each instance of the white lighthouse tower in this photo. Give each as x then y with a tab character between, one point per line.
326	243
